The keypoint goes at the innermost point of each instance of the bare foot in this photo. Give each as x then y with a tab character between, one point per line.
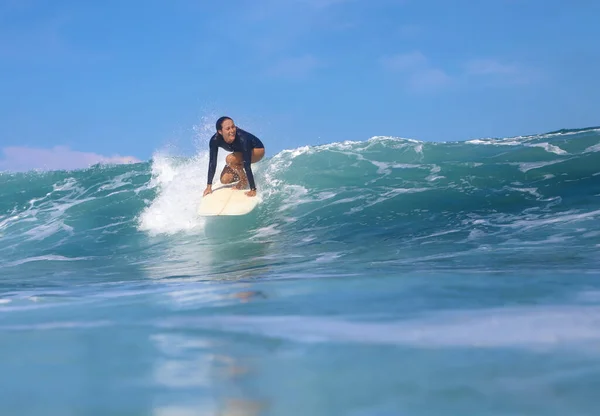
241	185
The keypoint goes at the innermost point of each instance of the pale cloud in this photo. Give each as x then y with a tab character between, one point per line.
294	67
429	79
490	67
274	5
301	13
499	72
418	74
404	61
321	3
416	71
409	30
18	158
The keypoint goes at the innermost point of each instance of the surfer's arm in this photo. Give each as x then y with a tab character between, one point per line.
212	163
247	168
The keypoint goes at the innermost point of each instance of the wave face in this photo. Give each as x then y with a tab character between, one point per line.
470	267
351	206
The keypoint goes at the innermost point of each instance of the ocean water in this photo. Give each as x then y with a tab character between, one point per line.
381	277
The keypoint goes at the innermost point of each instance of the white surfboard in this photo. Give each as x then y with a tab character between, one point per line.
226	200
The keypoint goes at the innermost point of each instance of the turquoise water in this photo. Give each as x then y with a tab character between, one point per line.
383	277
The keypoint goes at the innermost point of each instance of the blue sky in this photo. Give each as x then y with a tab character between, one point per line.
87	81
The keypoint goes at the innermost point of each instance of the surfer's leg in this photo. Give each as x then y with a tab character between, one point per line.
257	154
235	161
228	175
235	164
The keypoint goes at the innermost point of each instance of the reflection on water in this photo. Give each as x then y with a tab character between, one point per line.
192	258
240	407
230	407
195	366
200	373
196	371
249	295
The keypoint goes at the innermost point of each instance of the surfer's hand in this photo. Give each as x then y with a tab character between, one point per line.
251	192
208	190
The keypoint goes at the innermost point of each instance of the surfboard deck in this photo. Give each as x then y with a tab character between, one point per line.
226	200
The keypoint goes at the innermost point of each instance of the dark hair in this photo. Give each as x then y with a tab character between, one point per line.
219	123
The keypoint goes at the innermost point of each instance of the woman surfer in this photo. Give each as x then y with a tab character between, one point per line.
246	149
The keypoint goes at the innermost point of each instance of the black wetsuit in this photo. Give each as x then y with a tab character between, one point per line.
244	142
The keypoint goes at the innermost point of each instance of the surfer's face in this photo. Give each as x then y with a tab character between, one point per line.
228	130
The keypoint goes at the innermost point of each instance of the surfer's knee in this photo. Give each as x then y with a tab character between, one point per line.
232	159
227	177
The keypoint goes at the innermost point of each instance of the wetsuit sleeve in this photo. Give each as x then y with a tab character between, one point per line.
212	163
247	154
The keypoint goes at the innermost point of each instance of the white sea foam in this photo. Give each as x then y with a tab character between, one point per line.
392	193
401	141
525	327
179	185
397	191
43	258
441	233
327	257
517	140
104	228
53	219
521	244
293	153
9	220
432	174
532	191
323	196
561	218
294	195
550	148
118	181
527	166
268	231
559	134
50	326
354	148
476	234
68	185
594	148
48	214
349	200
386	168
497	142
